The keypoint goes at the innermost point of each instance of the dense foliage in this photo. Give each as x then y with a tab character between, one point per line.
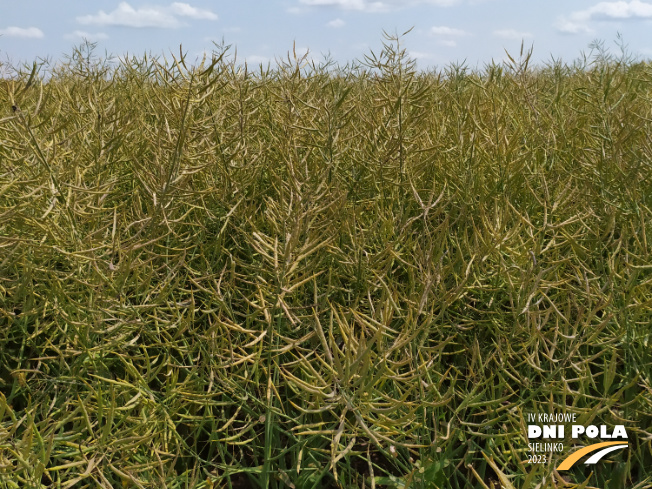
311	276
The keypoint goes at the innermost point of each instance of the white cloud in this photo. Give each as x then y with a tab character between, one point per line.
569	27
91	36
577	22
443	30
186	10
154	16
336	23
376	5
511	34
24	32
126	15
345	4
420	55
255	59
617	10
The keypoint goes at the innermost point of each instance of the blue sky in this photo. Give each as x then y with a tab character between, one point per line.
444	31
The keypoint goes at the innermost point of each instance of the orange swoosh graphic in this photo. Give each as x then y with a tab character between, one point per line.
571	459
